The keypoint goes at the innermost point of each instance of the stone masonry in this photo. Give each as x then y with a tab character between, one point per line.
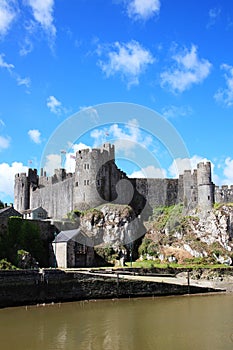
97	180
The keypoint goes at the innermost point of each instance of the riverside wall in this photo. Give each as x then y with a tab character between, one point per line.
27	287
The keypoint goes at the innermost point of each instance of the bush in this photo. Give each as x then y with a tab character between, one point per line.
6	265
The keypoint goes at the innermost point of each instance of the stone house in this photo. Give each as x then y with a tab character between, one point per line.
35	214
70	252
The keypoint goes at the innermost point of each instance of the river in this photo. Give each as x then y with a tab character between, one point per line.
184	323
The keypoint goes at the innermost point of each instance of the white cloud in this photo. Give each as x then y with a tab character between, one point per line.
7	177
176	111
11	69
4	64
225	96
53	161
4	142
180	164
70	161
23	81
149	172
214	14
54	105
43	14
188	69
228	171
35	135
129	60
126	138
142	10
7	15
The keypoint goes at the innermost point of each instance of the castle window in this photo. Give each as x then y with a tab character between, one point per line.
85	182
208	198
76	183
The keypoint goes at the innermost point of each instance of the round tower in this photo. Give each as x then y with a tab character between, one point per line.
21	192
205	186
93	176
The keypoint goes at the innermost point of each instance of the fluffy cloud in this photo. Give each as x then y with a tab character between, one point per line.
35	135
7	14
228	171
180	164
142	10
125	137
54	105
43	13
149	172
188	69
129	60
7	176
225	96
63	160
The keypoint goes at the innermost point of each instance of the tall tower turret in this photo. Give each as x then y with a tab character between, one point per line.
93	176
205	186
24	184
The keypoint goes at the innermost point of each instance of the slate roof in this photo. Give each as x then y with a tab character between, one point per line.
76	235
9	211
65	236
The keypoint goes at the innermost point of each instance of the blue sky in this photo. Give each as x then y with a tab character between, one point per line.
60	56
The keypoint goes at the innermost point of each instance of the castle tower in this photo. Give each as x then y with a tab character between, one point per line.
22	189
205	186
93	176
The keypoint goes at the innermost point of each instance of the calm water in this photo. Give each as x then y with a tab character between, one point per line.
184	323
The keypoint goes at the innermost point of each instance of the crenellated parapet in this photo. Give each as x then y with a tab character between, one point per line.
97	180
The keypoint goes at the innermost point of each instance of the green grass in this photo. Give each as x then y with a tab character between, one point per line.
147	264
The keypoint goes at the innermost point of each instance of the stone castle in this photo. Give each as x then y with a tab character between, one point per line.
98	180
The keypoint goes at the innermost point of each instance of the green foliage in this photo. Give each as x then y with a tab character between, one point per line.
1	204
148	246
107	253
220	205
167	216
6	265
21	234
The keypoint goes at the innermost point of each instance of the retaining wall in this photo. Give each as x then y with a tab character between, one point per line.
31	287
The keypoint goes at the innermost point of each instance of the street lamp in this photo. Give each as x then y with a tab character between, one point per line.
55	246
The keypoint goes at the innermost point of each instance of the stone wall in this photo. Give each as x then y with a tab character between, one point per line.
31	287
56	199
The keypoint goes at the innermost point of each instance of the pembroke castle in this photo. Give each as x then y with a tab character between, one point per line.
98	180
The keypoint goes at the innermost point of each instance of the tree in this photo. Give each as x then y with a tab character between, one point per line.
1	204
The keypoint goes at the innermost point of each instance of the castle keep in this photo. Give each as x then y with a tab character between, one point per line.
98	180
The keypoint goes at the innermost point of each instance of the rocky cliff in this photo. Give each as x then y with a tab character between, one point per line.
173	236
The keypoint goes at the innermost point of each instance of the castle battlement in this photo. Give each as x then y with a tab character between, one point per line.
95	181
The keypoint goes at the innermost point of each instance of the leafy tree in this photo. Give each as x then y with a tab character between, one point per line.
1	204
21	234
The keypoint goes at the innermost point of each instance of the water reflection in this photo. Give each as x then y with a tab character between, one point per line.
193	322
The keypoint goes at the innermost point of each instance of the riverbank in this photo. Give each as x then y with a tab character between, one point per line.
26	287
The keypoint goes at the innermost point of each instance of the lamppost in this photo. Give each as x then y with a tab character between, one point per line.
55	246
131	254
